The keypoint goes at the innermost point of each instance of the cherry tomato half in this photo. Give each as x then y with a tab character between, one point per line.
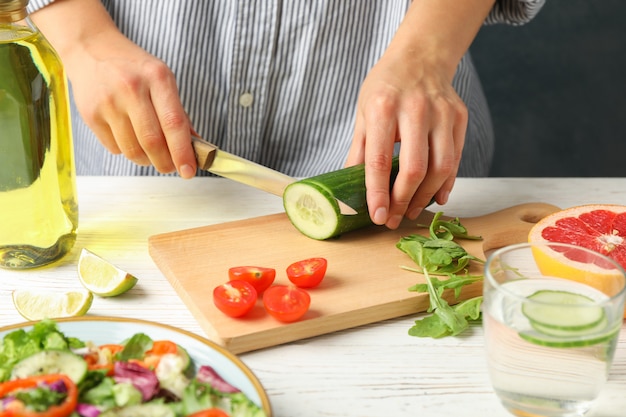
307	273
235	298
286	303
258	276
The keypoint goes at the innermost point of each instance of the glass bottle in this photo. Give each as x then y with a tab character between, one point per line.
38	206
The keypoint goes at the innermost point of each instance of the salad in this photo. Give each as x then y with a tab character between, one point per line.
44	373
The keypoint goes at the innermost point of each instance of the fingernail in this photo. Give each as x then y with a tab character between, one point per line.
394	221
415	212
186	171
444	197
380	216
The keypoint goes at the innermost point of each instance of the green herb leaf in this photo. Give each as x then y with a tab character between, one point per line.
135	347
435	327
455	282
439	254
448	229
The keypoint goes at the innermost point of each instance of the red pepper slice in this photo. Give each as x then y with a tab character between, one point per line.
211	412
64	409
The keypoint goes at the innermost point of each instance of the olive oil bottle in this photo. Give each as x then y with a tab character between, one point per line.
38	206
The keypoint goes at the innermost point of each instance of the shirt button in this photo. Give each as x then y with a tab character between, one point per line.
246	99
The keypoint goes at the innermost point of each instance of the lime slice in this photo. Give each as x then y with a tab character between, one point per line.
37	305
562	310
101	277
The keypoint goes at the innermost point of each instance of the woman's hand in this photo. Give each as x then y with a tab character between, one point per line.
128	97
408	97
414	104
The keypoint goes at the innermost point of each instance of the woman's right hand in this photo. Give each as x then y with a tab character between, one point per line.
128	97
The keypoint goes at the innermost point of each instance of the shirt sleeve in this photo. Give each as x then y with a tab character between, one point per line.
514	12
34	5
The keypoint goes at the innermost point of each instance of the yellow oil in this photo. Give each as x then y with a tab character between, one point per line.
38	206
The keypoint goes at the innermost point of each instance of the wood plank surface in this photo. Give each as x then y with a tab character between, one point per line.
364	284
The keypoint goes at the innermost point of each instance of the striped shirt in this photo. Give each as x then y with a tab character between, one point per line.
277	81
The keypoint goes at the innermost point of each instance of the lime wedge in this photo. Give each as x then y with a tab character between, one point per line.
38	305
101	277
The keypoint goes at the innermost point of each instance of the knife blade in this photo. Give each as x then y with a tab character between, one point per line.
211	158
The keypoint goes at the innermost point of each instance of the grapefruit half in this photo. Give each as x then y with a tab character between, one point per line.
599	227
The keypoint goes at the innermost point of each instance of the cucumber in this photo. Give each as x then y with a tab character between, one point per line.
311	203
562	310
51	362
141	410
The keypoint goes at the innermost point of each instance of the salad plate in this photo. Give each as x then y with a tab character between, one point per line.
102	330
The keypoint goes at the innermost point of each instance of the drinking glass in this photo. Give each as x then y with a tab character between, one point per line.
551	314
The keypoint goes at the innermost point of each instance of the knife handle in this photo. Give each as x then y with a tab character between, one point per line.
205	152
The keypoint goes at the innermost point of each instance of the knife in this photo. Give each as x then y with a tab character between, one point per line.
211	158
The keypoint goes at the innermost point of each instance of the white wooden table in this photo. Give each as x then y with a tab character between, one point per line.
375	370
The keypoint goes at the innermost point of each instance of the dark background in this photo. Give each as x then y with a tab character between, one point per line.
556	89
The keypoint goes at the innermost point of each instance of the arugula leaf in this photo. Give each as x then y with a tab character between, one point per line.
439	254
448	229
455	282
433	326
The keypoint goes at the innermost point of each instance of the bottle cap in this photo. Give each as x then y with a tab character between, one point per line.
13	10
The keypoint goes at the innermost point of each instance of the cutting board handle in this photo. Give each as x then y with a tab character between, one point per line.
507	226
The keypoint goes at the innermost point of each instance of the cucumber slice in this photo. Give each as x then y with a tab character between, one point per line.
184	356
569	333
571	339
562	310
51	362
311	203
141	410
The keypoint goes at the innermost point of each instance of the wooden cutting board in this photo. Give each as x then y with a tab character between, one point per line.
364	282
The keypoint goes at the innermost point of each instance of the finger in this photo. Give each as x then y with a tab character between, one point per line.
126	140
413	127
381	130
105	136
443	158
174	123
150	136
356	153
459	132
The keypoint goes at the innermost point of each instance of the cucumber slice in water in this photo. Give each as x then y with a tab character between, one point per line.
562	310
51	362
568	333
571	339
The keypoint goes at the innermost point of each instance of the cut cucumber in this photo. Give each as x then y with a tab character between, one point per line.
311	203
562	310
184	356
51	362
